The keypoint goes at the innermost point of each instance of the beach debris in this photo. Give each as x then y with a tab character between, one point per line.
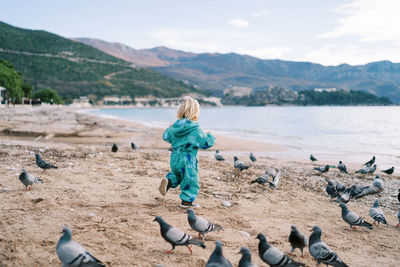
176	237
217	259
252	157
275	180
43	164
71	253
353	219
297	240
91	214
6	189
273	256
370	162
312	158
28	179
377	214
321	252
238	164
342	167
133	146
244	233
389	171
322	169
201	225
226	204
245	261
218	156
114	148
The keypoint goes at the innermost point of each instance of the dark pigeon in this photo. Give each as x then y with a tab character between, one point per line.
201	225
312	158
342	167
389	171
43	164
133	146
238	164
370	162
71	254
334	188
297	240
321	252
353	219
217	259
398	196
377	214
218	156
322	169
273	256
114	148
28	179
252	157
245	261
176	237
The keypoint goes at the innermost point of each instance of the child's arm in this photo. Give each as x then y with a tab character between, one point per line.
204	141
167	136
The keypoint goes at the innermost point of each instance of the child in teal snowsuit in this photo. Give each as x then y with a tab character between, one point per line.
186	138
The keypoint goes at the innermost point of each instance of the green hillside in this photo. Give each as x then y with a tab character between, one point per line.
47	60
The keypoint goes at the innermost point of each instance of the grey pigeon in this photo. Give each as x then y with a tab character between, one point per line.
270	171
245	261
322	169
275	180
201	225
367	169
297	240
321	252
176	237
353	219
389	171
43	164
238	164
334	188
370	162
312	158
114	148
71	254
133	146
218	156
372	169
273	256
398	217
217	259
377	214
261	180
377	182
252	157
342	167
28	179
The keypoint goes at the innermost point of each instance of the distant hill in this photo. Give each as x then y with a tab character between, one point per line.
218	72
75	69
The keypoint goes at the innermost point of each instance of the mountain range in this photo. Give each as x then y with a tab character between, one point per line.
220	72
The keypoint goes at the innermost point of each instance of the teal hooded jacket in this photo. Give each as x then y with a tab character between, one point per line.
186	138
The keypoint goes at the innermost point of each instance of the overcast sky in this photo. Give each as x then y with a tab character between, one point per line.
329	32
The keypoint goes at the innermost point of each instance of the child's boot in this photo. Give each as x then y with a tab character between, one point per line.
165	185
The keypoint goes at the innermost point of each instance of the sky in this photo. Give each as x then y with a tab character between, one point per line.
329	32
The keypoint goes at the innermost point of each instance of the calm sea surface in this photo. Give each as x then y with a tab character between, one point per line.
351	134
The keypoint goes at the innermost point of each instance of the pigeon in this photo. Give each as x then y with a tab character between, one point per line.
238	164
114	148
270	171
218	156
71	254
322	169
334	188
133	146
252	157
312	158
261	180
370	162
176	237
321	252
201	225
275	180
297	240
398	217
217	259
353	219
377	214
398	196
342	167
389	171
245	261
372	169
377	182
28	179
43	164
367	169
273	256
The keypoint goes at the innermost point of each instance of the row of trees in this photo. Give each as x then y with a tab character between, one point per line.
13	81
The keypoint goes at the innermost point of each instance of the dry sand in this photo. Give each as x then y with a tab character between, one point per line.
110	199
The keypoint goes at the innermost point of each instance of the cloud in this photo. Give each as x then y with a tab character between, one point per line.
238	23
261	14
368	20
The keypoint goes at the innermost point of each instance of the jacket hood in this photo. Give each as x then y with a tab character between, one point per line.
183	127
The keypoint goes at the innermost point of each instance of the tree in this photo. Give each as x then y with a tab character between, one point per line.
11	80
48	96
27	89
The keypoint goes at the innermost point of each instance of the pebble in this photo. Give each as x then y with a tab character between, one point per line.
226	203
5	189
91	214
244	233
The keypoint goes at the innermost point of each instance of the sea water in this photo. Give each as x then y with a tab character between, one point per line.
350	134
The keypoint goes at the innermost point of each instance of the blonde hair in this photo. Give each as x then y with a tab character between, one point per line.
189	109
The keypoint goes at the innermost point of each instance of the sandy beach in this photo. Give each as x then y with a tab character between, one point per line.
109	200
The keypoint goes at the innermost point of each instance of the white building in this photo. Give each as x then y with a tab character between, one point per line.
2	93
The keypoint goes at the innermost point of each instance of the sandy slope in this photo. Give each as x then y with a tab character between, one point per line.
110	199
